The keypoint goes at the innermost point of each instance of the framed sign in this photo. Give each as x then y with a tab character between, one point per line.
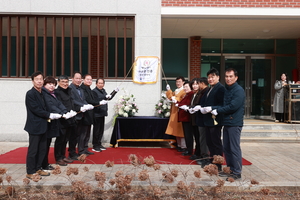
145	69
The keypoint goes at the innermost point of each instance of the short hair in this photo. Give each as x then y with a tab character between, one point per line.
50	79
180	77
203	80
35	74
86	76
213	71
63	77
232	69
287	78
197	80
100	79
76	73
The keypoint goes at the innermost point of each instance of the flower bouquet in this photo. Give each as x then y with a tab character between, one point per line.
126	106
162	108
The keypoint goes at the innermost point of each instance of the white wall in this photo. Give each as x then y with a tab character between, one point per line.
147	43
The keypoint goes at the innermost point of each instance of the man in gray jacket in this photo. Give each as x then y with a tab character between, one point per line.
233	110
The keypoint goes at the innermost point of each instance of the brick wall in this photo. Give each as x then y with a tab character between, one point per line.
233	3
94	54
195	57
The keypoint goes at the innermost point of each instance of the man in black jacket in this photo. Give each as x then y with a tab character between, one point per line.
81	118
100	113
68	126
36	126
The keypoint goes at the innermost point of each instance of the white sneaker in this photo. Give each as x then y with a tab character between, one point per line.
276	121
96	150
102	148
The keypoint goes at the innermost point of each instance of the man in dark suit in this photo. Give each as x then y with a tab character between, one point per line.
213	124
82	127
36	126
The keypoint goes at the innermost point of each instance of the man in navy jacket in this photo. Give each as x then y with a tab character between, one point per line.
233	110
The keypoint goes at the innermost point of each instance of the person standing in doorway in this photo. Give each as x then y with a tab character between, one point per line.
278	104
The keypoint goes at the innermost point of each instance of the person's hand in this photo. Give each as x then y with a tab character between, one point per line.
103	102
208	109
202	110
73	113
168	87
174	99
83	109
184	107
108	96
196	108
191	111
176	104
116	89
67	115
54	116
214	112
89	106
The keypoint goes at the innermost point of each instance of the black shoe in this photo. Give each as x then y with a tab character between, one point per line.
88	153
234	176
49	167
73	157
102	148
194	157
96	149
205	162
199	162
186	153
223	174
181	150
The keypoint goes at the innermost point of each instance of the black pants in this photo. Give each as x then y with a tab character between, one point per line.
196	135
61	142
213	140
45	161
98	130
36	152
279	117
73	141
188	136
83	136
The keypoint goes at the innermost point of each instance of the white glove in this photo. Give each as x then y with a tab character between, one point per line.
202	110
208	109
83	109
191	110
88	107
174	99
196	108
168	87
54	116
116	89
103	102
184	107
108	96
73	113
214	112
67	115
176	104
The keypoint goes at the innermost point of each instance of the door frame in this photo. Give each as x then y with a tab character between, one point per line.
248	80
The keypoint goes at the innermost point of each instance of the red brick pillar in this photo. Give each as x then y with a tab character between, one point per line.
298	57
94	58
195	57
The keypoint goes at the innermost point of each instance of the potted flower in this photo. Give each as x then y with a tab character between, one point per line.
126	106
162	108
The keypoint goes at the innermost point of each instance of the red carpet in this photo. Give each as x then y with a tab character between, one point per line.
118	155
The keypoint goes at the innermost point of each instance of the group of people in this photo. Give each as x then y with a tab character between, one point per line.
200	110
66	113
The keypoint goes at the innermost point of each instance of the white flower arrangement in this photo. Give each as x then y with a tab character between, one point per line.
162	108
126	106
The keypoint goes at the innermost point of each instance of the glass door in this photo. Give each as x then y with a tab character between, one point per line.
254	75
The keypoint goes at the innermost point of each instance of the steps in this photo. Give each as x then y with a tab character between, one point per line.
263	130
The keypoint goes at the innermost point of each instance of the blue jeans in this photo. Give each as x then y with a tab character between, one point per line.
232	148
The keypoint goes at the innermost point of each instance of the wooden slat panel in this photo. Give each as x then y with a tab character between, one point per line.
0	46
62	45
54	46
36	54
106	45
116	47
89	44
27	47
72	46
45	46
125	31
98	47
8	47
80	44
18	47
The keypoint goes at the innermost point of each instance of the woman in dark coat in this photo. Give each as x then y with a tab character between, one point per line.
55	106
278	104
184	117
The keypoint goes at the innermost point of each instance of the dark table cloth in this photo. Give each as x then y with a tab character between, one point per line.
140	127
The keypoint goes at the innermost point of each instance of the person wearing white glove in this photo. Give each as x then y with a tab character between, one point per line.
184	117
203	111
88	106
214	112
197	108
117	89
67	115
191	111
174	127
174	99
207	109
108	96
83	109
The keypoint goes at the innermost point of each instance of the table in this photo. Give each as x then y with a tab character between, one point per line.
140	128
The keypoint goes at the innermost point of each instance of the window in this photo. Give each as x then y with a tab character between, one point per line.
55	45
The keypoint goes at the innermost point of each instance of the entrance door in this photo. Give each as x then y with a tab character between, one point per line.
255	76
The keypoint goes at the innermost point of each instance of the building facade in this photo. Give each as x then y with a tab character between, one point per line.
258	38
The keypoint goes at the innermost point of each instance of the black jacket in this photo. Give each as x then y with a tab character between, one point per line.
65	97
90	99
53	106
37	114
100	111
